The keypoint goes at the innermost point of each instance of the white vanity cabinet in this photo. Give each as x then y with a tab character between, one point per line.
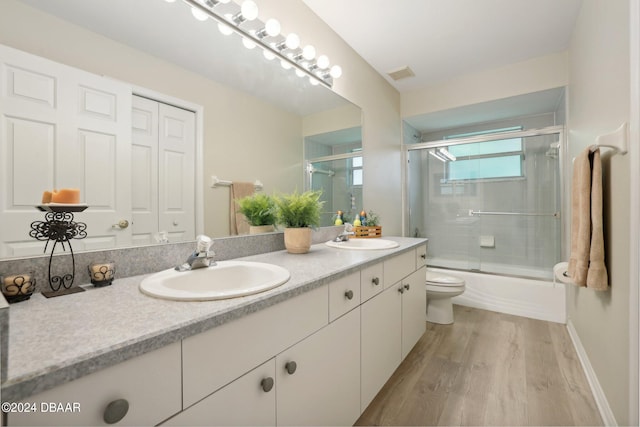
218	356
248	401
318	379
392	321
141	391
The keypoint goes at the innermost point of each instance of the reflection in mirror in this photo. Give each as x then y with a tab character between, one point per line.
334	165
252	114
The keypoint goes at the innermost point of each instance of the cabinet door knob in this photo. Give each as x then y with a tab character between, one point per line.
375	281
115	411
423	256
349	294
267	384
407	286
401	290
291	367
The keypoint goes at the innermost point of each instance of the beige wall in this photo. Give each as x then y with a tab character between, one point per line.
231	146
529	76
599	103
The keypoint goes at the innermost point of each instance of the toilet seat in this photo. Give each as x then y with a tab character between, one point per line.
442	280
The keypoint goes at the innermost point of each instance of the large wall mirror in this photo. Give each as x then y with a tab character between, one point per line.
252	115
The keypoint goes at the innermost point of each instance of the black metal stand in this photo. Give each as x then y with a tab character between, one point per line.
59	227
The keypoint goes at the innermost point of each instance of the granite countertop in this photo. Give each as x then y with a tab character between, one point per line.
56	340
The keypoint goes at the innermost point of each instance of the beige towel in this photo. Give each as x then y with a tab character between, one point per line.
237	222
586	263
597	275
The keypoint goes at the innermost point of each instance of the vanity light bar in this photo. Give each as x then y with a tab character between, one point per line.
302	68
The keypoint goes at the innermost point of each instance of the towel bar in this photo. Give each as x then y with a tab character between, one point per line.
216	182
618	140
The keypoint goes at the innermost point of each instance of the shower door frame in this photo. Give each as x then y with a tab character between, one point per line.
549	130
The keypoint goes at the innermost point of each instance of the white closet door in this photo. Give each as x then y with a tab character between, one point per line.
176	164
163	184
144	185
62	127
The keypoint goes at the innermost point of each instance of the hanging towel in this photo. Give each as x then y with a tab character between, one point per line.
597	277
237	222
586	263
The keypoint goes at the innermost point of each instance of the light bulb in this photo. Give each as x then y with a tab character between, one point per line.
284	64
248	43
336	71
322	62
224	29
268	55
249	10
272	27
300	73
292	41
313	81
198	14
309	52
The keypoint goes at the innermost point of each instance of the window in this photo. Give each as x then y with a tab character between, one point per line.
356	169
494	159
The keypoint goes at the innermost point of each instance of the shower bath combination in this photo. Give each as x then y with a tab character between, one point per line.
489	203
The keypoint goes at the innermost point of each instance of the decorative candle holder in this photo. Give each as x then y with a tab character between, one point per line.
18	287
102	274
59	227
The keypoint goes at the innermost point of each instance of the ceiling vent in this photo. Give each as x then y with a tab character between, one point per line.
401	73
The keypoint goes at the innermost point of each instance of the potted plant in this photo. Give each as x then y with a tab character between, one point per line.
298	213
260	211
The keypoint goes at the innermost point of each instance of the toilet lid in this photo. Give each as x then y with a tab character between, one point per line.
439	279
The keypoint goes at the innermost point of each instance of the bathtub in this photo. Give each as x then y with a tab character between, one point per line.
533	298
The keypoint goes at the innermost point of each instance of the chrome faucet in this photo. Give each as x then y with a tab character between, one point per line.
202	257
344	236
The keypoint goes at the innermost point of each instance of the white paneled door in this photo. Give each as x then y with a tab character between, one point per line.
61	127
163	185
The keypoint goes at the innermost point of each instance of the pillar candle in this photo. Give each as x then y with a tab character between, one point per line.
66	195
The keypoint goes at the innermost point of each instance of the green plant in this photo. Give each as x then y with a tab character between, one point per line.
373	219
259	209
297	210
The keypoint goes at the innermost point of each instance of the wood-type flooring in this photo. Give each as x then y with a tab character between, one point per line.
487	369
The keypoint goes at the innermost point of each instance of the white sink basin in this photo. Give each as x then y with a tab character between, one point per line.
228	279
364	244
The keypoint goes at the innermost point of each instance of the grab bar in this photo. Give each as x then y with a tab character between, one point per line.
554	214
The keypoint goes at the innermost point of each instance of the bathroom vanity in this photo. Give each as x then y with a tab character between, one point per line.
326	341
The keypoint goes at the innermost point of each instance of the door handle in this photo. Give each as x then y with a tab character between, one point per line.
122	224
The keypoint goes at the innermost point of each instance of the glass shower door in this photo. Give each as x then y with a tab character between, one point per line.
341	183
490	205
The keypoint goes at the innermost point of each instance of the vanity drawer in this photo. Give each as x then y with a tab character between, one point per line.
344	295
421	256
399	267
216	357
371	281
150	385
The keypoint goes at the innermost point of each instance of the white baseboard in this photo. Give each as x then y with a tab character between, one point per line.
598	394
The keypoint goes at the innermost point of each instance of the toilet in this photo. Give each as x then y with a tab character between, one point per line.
440	289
